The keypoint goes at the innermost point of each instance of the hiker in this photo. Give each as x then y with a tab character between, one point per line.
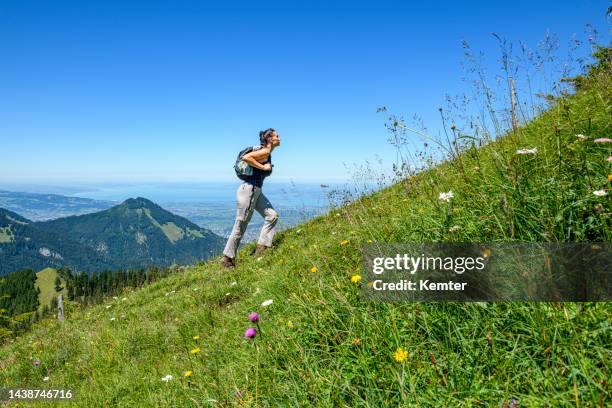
250	196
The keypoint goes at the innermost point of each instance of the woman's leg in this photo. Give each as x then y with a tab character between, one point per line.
247	195
264	207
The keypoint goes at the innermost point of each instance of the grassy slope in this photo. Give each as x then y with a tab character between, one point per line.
320	344
45	280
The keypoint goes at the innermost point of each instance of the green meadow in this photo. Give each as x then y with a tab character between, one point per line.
45	281
181	340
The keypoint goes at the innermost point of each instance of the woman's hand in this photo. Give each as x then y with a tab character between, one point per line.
255	158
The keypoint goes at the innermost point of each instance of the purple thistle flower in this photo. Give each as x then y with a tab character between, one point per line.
254	317
36	362
250	332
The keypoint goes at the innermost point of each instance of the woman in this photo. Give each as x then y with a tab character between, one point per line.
250	197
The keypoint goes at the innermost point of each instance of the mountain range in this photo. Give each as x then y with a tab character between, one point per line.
135	233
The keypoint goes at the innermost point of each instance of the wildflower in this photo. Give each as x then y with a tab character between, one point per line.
344	242
600	193
195	350
36	362
400	355
527	151
313	269
250	332
254	317
290	324
581	137
610	159
196	337
603	140
454	228
167	378
46	379
356	342
112	318
369	241
446	196
123	299
187	373
609	177
356	278
267	302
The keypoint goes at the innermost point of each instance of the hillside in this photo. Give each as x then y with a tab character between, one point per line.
45	281
24	245
319	344
138	233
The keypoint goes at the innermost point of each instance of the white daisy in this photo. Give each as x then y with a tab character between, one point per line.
446	196
527	151
600	193
46	379
167	378
581	136
267	302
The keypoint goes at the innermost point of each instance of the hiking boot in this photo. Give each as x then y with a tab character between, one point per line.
227	262
260	249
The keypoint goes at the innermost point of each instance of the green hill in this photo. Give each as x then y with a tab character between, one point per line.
45	281
23	244
138	233
319	344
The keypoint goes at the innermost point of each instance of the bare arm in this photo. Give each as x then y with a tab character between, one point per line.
255	158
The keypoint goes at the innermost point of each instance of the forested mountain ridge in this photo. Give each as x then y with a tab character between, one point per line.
135	233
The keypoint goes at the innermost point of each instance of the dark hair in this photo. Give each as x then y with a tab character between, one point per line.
264	135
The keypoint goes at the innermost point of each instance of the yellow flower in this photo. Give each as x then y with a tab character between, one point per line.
187	373
313	269
369	241
609	177
400	355
195	350
196	337
356	278
289	324
346	241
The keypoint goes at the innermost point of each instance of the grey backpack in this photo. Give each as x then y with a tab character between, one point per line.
242	168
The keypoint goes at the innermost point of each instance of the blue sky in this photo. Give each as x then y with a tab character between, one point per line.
172	90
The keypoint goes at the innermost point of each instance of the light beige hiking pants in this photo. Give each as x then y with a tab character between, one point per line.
251	198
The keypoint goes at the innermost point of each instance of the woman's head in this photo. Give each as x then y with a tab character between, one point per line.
269	137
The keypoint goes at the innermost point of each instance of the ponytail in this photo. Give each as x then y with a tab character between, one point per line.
264	135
